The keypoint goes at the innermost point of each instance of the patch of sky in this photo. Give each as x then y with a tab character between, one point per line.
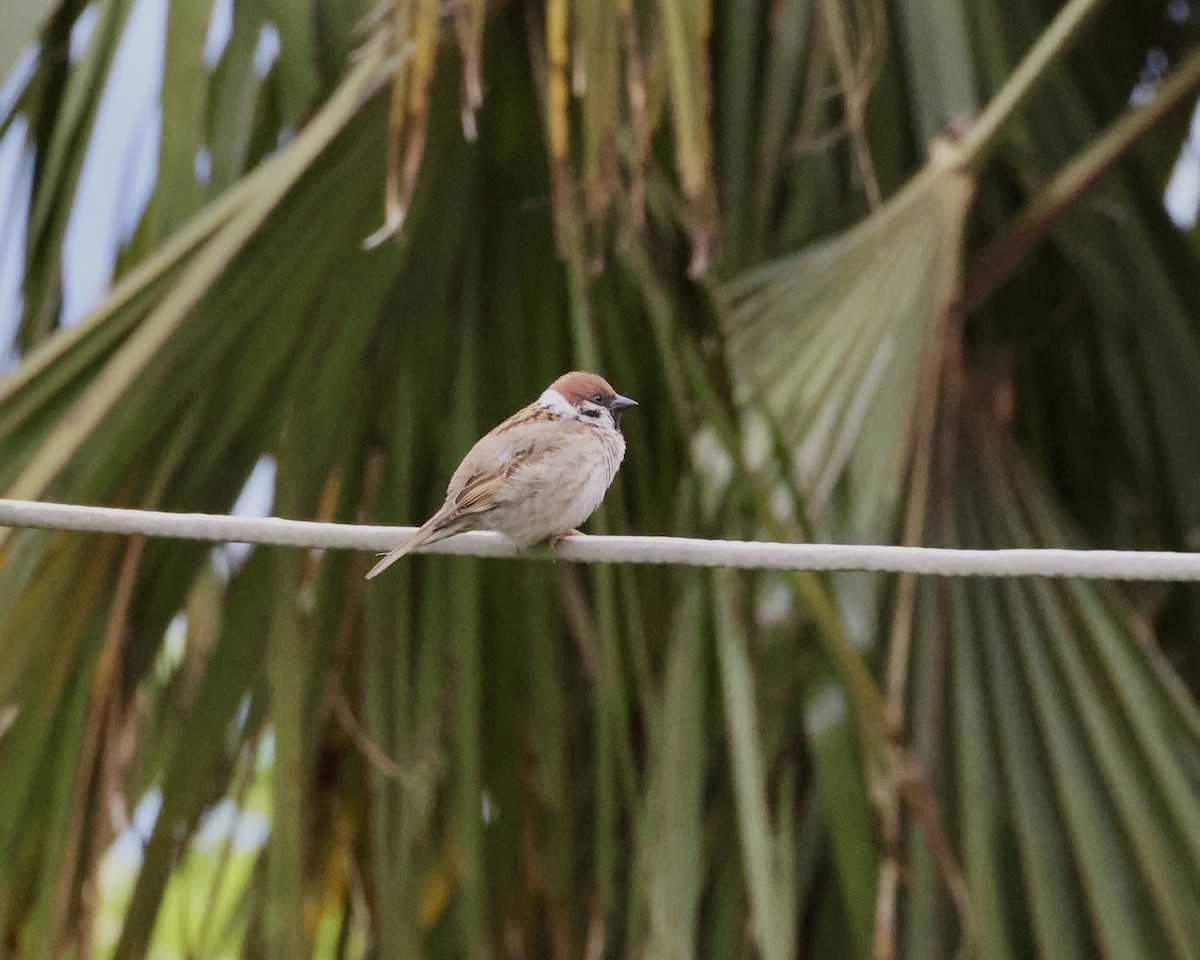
81	32
127	849
1183	189
220	29
170	655
18	78
203	165
267	49
248	829
256	500
125	138
16	178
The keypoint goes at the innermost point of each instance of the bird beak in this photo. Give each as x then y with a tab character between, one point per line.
619	403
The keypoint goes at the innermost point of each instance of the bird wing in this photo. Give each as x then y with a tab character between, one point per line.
479	491
488	470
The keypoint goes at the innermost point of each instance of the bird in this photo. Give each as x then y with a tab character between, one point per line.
538	475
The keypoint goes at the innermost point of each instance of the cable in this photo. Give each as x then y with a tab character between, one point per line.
1093	564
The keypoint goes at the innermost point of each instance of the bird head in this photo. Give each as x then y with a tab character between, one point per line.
589	397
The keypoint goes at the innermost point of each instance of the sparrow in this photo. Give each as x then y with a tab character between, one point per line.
539	474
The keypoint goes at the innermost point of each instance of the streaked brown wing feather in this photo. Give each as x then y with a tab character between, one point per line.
534	413
479	492
529	435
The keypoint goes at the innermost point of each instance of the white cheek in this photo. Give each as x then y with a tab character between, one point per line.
554	400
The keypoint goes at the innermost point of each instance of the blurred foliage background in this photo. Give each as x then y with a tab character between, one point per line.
879	270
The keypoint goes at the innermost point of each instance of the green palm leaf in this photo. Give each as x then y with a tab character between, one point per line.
908	327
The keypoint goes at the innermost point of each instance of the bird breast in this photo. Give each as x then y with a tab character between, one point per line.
562	489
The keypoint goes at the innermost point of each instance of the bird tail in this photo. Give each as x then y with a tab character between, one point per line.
429	533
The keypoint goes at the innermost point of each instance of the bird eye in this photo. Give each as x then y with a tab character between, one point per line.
598	398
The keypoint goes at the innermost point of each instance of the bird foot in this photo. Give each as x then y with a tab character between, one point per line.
558	538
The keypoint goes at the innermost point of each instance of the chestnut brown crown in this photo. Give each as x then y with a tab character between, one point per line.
578	387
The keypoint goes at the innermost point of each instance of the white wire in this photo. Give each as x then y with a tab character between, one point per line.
1093	564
